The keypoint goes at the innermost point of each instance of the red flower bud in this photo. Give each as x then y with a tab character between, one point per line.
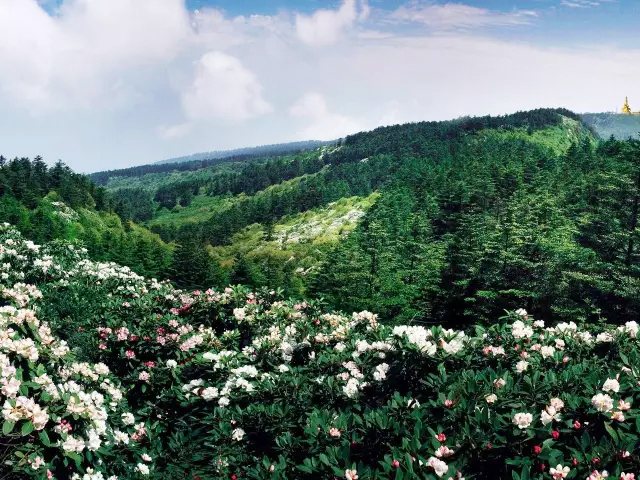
577	425
555	434
395	464
537	449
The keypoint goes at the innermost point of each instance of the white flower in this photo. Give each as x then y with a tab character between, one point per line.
491	398
351	475
438	466
381	372
521	366
559	472
611	385
142	468
128	419
172	364
209	393
499	383
604	337
547	351
602	402
520	330
556	403
237	434
351	388
145	457
522	420
548	415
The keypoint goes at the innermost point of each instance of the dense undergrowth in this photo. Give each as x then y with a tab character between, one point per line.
138	380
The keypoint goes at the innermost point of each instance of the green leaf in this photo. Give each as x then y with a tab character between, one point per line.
7	427
27	428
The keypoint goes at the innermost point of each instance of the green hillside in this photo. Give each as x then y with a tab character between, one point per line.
456	220
54	203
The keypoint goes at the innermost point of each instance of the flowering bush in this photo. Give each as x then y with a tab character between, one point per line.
157	382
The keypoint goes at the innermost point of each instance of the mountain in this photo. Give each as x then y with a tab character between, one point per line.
199	161
262	150
434	221
613	124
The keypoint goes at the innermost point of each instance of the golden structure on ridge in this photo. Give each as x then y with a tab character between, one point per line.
626	109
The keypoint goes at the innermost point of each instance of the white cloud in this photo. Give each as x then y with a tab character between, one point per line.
584	3
223	89
459	16
326	27
322	124
81	56
143	70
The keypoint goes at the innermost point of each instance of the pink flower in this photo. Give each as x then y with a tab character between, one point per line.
334	432
443	452
144	376
130	354
577	425
622	405
150	364
395	464
441	437
102	346
627	476
448	403
122	333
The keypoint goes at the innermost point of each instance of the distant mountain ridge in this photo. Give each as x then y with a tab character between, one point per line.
202	160
262	150
621	126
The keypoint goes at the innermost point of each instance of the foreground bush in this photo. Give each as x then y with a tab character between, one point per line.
236	384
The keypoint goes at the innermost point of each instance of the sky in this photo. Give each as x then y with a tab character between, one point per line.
105	84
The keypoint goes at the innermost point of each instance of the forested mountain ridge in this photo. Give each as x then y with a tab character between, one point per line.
275	149
467	218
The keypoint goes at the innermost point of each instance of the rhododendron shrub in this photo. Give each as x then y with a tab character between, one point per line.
235	384
60	417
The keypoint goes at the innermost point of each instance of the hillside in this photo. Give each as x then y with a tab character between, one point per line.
613	124
454	203
47	203
247	152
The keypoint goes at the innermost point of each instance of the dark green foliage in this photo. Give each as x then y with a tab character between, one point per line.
55	203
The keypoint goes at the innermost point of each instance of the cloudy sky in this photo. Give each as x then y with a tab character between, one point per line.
105	84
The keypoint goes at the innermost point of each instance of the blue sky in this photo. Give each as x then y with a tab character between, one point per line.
109	83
